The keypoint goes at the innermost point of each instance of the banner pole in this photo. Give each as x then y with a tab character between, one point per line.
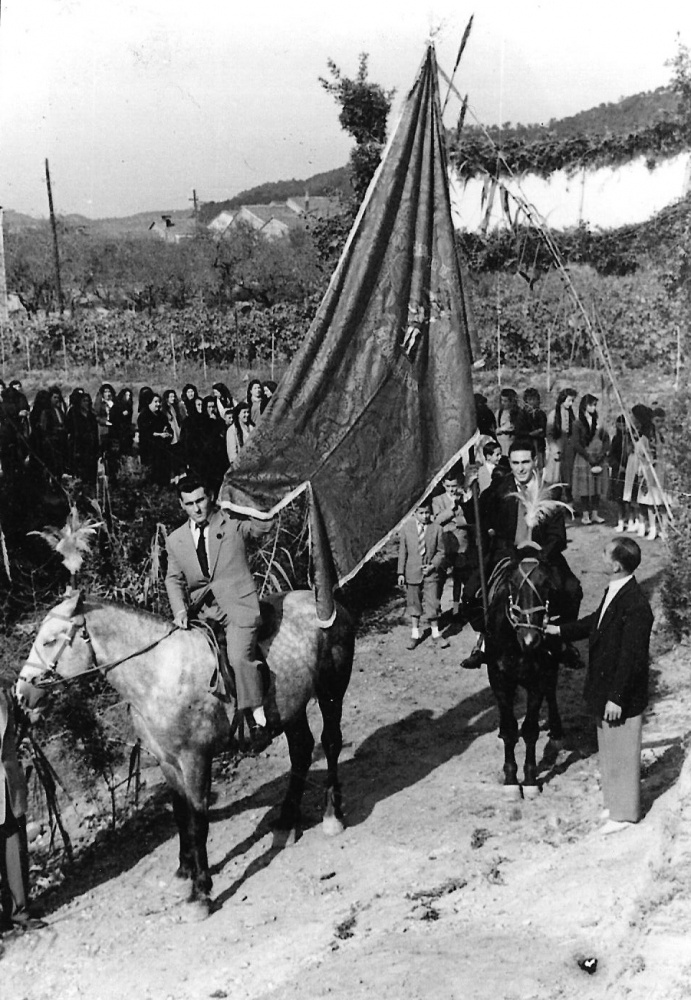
480	553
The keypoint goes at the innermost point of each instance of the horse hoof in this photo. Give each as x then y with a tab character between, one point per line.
198	908
511	791
531	791
332	826
285	838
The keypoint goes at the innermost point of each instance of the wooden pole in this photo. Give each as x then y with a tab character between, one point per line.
4	306
676	381
56	253
549	359
480	554
172	348
237	341
273	351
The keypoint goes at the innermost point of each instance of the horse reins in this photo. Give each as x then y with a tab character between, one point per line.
67	640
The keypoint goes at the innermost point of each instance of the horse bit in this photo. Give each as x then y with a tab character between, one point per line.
520	617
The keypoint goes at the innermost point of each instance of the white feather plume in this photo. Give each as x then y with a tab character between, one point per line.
73	540
538	501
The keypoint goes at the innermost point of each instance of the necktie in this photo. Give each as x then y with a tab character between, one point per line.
201	550
421	540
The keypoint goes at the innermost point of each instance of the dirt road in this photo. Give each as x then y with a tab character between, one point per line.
440	886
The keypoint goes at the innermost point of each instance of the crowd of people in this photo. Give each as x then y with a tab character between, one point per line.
575	447
170	434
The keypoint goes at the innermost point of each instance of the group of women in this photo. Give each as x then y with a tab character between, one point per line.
200	434
171	434
575	450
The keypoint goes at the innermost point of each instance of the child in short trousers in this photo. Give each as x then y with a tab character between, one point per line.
420	562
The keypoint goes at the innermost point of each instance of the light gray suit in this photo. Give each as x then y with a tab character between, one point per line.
228	595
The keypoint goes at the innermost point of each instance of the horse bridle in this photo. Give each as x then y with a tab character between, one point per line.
68	637
520	617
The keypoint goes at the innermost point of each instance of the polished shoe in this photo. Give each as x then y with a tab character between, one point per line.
596	519
474	661
25	923
260	737
615	826
413	642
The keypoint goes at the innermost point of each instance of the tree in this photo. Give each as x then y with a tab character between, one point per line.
364	111
681	82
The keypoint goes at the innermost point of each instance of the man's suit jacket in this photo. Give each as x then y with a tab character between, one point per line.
409	561
452	522
499	511
618	652
230	579
11	773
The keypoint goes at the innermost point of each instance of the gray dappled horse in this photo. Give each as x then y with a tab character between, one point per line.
164	673
519	654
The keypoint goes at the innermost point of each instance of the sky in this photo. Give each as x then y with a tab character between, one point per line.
135	104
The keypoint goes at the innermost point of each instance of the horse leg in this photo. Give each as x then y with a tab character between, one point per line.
300	747
332	743
556	731
181	814
190	781
504	690
530	731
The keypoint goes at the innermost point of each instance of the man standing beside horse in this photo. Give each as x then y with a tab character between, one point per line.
616	685
505	528
209	577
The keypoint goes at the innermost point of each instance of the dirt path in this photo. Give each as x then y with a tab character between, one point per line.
439	887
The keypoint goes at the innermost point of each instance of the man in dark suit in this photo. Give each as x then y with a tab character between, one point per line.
504	528
208	575
616	684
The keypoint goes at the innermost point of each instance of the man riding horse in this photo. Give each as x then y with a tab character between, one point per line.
505	529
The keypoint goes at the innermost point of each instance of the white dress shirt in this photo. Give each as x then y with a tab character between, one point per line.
612	590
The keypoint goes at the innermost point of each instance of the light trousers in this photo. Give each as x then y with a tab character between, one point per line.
619	748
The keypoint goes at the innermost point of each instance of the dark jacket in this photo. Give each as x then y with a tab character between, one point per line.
499	512
618	652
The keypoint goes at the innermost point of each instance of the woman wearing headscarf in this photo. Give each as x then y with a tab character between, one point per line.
103	407
224	398
121	417
154	441
82	437
54	433
211	461
188	397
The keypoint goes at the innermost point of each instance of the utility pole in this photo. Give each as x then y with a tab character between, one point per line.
195	202
56	254
4	307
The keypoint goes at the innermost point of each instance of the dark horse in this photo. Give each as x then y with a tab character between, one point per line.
164	673
519	653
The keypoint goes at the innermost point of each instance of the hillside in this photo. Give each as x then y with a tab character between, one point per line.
614	132
279	191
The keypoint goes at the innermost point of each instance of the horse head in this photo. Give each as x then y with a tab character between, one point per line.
61	649
529	586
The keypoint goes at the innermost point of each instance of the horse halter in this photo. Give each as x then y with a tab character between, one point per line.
67	637
521	617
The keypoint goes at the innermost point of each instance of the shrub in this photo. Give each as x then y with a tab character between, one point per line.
676	586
